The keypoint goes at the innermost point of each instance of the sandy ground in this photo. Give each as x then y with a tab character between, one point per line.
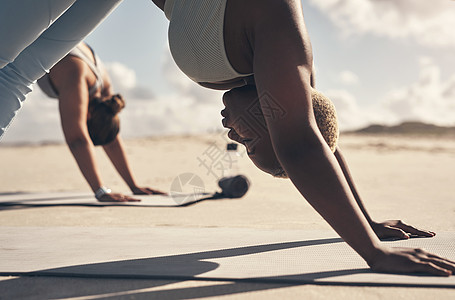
408	178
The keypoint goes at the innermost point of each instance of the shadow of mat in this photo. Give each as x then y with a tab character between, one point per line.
107	280
235	269
9	201
77	288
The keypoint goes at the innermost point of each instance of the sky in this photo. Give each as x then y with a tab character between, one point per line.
379	61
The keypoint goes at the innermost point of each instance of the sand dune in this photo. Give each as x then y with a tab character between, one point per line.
408	128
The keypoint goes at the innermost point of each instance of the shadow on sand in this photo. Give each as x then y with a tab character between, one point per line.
134	278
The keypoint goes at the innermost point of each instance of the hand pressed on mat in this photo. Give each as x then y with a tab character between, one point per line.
397	229
410	260
146	191
117	197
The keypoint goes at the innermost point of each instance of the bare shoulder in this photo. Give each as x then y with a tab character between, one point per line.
245	20
282	22
274	9
274	18
68	71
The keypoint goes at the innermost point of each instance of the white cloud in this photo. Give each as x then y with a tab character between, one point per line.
124	81
350	115
430	99
348	77
122	77
169	114
430	23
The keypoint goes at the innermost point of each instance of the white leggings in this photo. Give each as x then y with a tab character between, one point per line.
34	36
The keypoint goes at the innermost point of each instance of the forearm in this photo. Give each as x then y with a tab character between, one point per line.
116	153
347	175
317	175
83	152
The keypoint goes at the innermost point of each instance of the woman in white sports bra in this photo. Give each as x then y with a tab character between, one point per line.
261	47
89	117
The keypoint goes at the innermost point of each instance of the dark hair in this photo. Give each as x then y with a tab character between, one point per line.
104	123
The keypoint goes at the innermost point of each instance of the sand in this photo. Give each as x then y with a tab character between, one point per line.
399	177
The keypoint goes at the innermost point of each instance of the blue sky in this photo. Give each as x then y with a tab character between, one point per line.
382	61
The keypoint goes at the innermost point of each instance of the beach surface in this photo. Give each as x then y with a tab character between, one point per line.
406	177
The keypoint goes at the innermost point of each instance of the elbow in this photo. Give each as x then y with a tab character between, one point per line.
290	151
76	142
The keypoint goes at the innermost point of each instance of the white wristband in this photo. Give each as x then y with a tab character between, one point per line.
101	191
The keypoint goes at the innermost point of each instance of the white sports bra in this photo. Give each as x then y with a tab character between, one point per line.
48	88
196	39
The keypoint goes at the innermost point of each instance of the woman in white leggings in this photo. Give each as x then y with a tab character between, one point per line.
35	35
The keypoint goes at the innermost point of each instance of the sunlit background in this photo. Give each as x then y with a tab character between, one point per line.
380	62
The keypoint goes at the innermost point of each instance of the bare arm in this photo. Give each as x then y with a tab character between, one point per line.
70	79
282	67
116	153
